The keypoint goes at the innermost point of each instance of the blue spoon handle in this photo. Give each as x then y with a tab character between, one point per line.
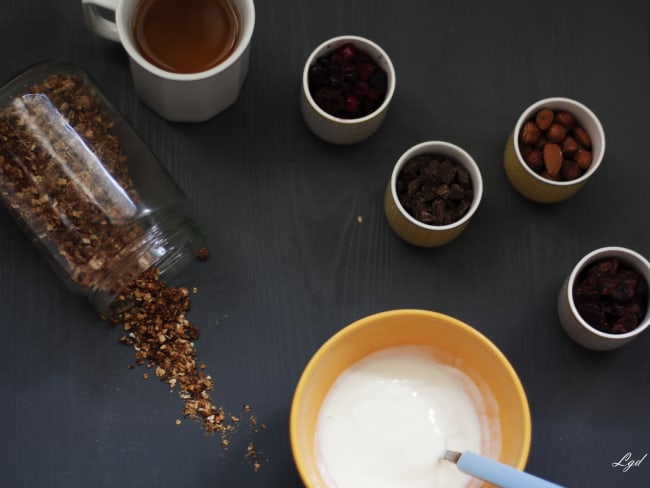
499	474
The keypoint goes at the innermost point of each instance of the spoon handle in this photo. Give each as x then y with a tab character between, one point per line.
499	474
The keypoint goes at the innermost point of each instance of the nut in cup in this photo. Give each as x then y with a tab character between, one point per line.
575	325
536	187
406	225
338	130
177	96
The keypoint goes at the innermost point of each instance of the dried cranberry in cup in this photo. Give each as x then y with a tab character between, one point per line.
347	86
611	296
603	302
347	82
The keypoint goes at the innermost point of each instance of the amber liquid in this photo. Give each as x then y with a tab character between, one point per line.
185	36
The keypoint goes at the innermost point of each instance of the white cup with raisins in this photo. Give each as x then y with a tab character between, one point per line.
556	146
347	86
433	193
603	303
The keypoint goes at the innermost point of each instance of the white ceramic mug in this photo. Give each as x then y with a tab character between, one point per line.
179	97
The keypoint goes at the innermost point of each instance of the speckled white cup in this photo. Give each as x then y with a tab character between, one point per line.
575	326
335	129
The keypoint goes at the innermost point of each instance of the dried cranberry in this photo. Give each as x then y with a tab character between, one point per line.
348	71
350	74
329	99
352	105
625	324
348	52
360	89
610	296
318	74
365	71
593	313
379	79
335	80
339	59
375	94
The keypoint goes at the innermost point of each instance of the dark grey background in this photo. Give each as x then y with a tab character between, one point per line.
290	263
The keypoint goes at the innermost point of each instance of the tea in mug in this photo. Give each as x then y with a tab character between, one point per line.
185	36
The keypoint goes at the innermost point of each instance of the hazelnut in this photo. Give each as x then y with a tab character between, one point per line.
555	133
552	158
544	118
570	146
529	133
541	142
582	137
583	158
565	119
570	170
534	159
549	176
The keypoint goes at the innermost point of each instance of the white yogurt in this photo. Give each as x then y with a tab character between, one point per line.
387	419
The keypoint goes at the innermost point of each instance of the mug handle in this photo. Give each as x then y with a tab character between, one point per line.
97	22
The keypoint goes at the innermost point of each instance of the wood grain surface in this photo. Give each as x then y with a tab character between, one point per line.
300	246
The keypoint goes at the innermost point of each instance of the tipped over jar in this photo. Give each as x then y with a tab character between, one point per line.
86	189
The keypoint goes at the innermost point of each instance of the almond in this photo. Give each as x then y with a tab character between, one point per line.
552	158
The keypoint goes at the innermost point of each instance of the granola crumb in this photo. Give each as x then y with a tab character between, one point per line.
163	340
202	254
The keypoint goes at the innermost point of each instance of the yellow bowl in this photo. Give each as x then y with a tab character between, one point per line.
460	344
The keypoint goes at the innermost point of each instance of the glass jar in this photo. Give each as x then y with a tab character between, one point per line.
86	189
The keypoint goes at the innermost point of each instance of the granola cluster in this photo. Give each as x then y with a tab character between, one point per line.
153	317
64	175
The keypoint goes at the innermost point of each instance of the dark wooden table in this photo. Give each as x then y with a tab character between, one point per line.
291	261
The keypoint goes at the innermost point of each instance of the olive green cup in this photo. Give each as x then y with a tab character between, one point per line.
408	227
535	187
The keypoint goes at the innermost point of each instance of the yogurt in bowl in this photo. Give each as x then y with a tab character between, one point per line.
387	418
380	400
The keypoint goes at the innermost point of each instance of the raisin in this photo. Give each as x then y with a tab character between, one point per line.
434	190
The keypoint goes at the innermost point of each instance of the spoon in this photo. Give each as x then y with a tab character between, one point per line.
494	472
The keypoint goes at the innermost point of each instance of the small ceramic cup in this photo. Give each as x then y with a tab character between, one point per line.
178	97
335	129
408	227
534	186
575	326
